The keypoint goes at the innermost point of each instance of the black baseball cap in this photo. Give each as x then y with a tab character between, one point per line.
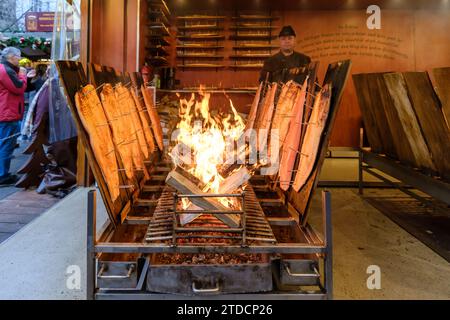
287	31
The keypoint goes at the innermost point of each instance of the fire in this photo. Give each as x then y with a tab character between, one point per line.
210	138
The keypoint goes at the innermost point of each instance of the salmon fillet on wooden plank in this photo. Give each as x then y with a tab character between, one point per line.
119	130
283	116
122	96
291	145
253	111
145	120
154	117
313	137
136	121
95	123
266	117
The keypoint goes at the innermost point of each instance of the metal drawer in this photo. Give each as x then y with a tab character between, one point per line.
121	275
210	279
299	272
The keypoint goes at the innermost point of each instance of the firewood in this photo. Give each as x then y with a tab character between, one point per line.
235	180
185	186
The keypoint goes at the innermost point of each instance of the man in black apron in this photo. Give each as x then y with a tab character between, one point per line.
287	64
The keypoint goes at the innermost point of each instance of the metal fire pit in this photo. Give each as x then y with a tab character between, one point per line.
209	278
200	279
164	227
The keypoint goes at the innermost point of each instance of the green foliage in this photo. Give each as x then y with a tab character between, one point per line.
22	42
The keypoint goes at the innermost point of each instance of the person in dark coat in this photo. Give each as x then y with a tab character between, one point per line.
287	64
13	83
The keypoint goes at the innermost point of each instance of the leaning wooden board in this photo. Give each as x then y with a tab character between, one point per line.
442	83
73	77
402	150
379	134
403	121
372	130
427	107
94	121
336	75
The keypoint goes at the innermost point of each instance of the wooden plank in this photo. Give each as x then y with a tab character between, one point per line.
73	77
184	186
20	210
10	227
146	203
337	75
234	181
403	150
4	236
82	165
371	113
386	134
17	218
31	196
431	119
27	204
442	83
404	120
152	188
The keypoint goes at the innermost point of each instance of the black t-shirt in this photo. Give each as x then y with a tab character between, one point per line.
281	68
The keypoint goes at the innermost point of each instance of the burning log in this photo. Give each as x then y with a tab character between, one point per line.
232	183
235	180
181	155
186	186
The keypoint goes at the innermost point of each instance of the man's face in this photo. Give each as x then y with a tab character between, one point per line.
14	60
287	43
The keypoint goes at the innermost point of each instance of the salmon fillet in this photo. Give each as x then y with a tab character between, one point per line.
95	123
292	142
154	117
313	136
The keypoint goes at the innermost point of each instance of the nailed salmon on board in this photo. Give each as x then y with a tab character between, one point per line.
136	124
292	143
122	95
266	117
145	120
119	128
313	135
154	117
283	116
94	119
252	114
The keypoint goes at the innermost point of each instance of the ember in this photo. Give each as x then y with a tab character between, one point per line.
209	258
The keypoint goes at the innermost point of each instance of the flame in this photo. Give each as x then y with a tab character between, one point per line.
210	137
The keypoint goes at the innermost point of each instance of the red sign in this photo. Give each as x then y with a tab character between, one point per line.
39	21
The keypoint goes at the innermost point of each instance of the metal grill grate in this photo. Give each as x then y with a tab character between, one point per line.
164	226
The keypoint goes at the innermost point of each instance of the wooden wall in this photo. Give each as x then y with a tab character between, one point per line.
114	33
409	40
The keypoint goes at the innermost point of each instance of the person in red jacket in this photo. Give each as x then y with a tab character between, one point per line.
13	83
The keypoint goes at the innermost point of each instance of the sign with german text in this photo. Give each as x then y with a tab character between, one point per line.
39	21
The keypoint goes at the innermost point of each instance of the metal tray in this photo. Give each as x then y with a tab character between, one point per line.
207	279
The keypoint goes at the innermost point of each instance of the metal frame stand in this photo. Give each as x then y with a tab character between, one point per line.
94	247
409	177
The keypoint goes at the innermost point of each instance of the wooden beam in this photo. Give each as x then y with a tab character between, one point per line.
235	180
185	186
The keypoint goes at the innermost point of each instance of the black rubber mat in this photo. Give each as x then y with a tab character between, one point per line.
430	224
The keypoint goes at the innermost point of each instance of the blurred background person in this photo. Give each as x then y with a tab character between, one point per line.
13	83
